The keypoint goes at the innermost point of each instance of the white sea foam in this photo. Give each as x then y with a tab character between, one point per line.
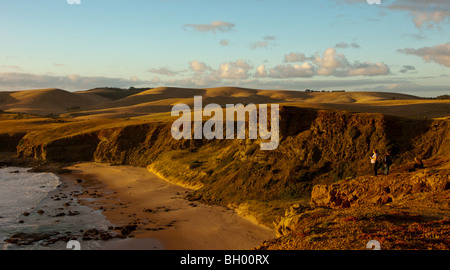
20	191
24	192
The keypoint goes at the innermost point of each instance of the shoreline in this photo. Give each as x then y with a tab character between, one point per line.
156	210
133	196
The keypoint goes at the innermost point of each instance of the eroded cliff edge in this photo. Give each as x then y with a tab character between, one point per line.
318	148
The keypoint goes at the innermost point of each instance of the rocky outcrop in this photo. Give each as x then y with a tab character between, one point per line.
317	148
292	219
406	190
378	190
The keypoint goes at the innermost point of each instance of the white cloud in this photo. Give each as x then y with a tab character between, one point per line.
74	78
234	70
330	63
198	66
215	26
22	81
424	13
367	69
297	57
239	72
439	54
261	71
198	80
293	71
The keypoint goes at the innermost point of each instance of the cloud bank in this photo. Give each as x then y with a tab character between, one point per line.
424	13
439	54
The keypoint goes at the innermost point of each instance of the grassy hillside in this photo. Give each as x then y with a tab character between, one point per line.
323	147
139	102
45	101
316	147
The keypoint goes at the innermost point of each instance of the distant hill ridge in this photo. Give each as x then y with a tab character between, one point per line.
122	103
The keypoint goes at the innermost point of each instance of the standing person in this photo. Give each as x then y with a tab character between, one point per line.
374	162
387	163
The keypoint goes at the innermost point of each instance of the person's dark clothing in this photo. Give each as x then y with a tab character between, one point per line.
387	164
375	168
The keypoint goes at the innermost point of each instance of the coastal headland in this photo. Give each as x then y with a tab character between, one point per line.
315	191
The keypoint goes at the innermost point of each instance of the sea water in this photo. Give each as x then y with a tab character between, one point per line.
23	194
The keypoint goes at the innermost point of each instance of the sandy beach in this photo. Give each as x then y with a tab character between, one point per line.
159	215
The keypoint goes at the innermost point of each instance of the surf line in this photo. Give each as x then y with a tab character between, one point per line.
213	127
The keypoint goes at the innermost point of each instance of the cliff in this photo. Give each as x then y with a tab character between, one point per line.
408	210
317	147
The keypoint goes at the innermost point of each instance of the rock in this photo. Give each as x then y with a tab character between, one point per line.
292	217
73	213
437	183
21	238
78	181
26	214
94	234
320	195
386	189
40	212
105	236
126	230
384	199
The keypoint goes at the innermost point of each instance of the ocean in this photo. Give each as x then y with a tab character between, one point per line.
40	212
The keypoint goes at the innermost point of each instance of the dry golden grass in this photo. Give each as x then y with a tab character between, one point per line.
95	104
46	101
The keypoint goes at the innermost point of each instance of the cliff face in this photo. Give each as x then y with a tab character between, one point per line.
316	147
401	211
10	141
381	190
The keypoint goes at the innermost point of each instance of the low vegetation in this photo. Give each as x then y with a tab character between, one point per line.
317	147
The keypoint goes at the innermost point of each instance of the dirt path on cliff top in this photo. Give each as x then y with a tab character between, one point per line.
130	195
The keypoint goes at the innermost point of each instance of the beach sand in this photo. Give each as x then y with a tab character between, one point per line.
164	219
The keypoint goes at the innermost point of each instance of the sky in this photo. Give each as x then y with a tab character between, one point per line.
396	46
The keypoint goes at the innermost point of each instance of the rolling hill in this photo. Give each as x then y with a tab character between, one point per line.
127	103
322	161
46	101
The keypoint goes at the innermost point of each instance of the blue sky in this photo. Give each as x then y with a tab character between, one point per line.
397	46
